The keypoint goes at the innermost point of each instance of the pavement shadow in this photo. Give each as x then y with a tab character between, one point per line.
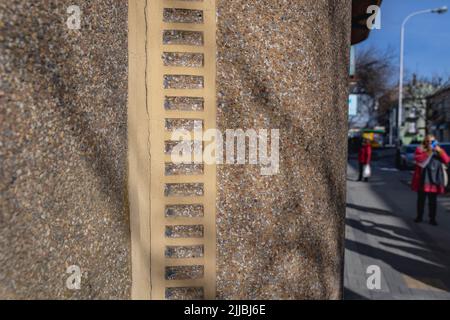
378	231
417	257
369	209
352	295
421	271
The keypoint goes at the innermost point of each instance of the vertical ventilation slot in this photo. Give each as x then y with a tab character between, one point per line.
182	96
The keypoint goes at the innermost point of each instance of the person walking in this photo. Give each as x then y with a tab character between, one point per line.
429	178
364	158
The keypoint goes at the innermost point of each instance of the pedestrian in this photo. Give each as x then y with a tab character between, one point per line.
429	178
364	157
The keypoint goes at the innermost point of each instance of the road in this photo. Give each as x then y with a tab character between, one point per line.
413	259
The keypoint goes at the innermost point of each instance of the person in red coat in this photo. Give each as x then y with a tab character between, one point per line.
364	157
429	177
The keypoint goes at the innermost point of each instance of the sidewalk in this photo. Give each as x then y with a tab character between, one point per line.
414	258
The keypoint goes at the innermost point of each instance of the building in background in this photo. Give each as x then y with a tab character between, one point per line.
414	116
438	113
361	111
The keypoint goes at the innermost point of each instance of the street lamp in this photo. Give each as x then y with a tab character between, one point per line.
440	10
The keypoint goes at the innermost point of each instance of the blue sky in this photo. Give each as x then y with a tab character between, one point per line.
427	37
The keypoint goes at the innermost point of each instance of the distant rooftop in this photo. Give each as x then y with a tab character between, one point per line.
443	89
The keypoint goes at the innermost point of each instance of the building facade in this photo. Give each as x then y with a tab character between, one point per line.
438	114
414	113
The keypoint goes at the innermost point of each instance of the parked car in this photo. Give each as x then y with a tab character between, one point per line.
406	158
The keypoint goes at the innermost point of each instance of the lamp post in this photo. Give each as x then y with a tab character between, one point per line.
440	10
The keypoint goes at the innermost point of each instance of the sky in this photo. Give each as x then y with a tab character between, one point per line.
427	36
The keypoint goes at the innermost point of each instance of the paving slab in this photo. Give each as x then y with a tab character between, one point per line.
414	259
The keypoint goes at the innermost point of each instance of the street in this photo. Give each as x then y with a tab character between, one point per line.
414	259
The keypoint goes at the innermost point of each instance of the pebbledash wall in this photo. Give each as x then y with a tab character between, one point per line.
76	173
63	111
284	64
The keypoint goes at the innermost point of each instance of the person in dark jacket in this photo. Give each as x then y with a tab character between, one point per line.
429	177
364	157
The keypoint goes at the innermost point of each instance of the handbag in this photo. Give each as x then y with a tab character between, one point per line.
367	172
444	168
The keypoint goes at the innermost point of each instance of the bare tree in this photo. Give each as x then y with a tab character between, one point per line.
374	73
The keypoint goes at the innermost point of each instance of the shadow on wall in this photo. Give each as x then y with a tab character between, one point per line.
316	215
65	141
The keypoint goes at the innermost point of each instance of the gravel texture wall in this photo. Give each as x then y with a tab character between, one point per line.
63	97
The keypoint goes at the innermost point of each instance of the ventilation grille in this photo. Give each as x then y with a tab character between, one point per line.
181	74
